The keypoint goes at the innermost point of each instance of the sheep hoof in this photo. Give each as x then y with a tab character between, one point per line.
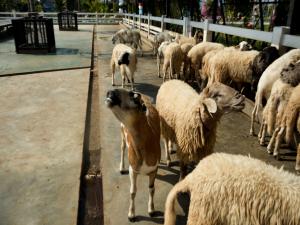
151	214
168	163
277	157
132	219
123	172
269	151
252	133
262	143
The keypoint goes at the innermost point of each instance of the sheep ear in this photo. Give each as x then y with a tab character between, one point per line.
211	105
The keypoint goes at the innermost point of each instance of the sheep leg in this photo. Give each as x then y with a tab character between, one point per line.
133	178
272	141
263	133
183	170
297	167
168	158
165	68
123	146
113	70
252	120
123	75
158	60
151	209
132	80
278	143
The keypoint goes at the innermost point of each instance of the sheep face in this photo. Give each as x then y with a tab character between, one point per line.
291	74
226	98
125	104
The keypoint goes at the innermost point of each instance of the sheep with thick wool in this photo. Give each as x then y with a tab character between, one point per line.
197	38
185	48
124	57
173	58
160	38
273	111
160	54
196	54
267	79
189	119
234	189
289	123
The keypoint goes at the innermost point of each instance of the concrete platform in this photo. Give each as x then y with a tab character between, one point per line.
42	119
232	137
73	50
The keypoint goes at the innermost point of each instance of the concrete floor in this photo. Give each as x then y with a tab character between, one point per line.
232	138
73	50
42	120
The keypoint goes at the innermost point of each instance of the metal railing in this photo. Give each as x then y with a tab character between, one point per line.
279	37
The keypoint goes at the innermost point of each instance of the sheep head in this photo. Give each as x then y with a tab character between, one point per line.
261	62
221	98
291	74
126	105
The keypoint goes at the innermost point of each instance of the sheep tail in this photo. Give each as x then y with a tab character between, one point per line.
170	215
291	120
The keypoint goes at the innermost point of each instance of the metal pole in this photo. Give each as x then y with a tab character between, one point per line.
30	8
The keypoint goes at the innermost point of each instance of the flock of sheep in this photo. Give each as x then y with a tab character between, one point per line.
224	188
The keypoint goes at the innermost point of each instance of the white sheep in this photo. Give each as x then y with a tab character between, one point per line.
234	189
160	38
189	119
124	57
289	123
173	58
198	37
160	54
196	54
267	79
274	108
185	48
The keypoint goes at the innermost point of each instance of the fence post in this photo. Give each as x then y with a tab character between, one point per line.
277	37
14	13
148	25
162	27
139	21
186	30
207	35
96	18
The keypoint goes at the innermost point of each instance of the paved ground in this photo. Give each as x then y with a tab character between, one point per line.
42	120
73	50
232	137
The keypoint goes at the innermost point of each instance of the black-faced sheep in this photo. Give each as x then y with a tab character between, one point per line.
124	57
131	37
234	189
267	79
189	119
141	133
173	58
160	38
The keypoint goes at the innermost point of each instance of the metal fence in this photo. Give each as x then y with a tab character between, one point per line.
279	37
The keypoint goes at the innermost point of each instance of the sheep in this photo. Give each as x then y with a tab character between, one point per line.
234	189
141	133
269	76
289	122
160	54
198	37
173	58
228	65
189	119
125	57
185	48
132	37
160	38
274	108
244	46
196	54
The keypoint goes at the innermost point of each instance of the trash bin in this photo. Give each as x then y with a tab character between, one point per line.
67	21
34	34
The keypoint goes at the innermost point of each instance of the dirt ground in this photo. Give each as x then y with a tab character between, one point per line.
232	137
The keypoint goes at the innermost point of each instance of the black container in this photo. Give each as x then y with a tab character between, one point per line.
34	34
67	21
